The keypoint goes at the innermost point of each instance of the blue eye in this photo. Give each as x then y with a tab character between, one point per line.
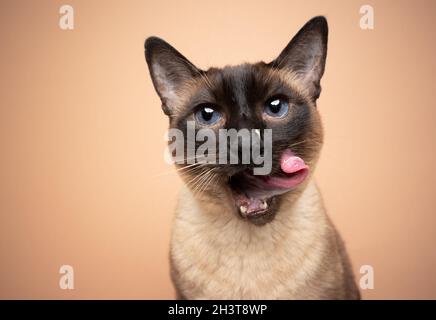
277	107
207	115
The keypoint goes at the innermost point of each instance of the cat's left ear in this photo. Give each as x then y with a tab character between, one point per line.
305	55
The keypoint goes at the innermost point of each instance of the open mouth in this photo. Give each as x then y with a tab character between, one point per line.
254	194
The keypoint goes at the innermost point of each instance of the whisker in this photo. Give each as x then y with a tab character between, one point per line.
212	177
297	143
184	167
205	181
196	186
196	178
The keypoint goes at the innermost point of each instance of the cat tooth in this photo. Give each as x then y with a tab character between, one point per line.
243	209
264	205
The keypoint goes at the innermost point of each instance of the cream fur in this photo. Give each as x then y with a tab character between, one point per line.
299	255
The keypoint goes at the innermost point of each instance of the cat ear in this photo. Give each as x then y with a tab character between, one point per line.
305	55
169	70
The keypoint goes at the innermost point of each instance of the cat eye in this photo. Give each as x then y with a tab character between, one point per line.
207	115
277	107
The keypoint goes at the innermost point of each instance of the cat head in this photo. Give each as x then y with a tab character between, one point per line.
280	95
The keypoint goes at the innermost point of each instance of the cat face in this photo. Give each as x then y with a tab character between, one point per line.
280	95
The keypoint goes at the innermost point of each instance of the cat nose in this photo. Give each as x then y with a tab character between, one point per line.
244	115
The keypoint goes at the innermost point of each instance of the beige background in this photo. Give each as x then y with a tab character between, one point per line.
81	134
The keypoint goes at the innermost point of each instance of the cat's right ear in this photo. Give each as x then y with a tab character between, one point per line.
169	70
306	54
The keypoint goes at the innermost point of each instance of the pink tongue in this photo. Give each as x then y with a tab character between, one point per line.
295	171
290	163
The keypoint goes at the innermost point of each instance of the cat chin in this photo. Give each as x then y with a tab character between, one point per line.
262	210
264	216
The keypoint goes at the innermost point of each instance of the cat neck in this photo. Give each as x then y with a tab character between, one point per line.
212	222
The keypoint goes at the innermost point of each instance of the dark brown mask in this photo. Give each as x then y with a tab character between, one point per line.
280	95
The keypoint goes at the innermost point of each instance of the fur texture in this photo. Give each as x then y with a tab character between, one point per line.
298	255
291	250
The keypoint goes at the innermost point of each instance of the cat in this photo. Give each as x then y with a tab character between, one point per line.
245	236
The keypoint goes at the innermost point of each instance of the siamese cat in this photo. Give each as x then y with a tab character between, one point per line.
246	236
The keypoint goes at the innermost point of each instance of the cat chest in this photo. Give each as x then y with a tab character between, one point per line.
237	272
